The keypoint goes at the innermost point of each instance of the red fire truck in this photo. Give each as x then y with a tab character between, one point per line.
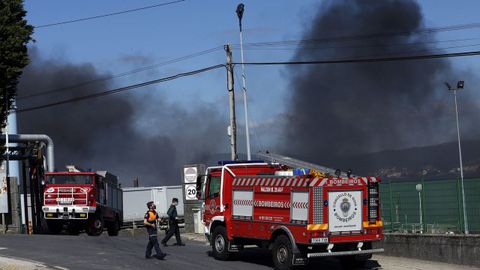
297	217
80	200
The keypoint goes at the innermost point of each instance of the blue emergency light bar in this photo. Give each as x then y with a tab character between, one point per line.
225	162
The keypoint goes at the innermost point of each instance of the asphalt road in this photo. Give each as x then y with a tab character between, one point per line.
127	252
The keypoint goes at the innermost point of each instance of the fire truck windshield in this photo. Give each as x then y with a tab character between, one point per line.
70	179
214	188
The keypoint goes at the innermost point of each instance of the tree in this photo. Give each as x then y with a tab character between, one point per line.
15	33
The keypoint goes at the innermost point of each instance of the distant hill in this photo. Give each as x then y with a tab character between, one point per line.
436	161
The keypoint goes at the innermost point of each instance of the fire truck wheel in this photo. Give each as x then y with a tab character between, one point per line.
282	253
220	244
113	228
95	225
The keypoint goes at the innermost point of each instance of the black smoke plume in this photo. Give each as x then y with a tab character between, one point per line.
130	134
340	110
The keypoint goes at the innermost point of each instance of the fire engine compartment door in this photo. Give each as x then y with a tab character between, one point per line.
345	211
299	207
243	204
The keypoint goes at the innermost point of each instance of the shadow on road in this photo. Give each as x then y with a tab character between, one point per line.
263	257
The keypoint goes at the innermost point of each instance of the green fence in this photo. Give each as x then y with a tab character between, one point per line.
441	207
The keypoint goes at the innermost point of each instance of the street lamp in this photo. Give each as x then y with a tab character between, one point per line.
240	10
419	188
460	85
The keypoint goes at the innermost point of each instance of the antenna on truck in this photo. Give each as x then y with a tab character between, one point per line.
295	163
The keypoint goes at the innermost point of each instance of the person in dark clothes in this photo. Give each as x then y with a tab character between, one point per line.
150	220
173	224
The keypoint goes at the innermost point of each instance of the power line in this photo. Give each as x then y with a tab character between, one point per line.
426	50
194	72
365	60
252	46
367	36
259	142
317	47
127	73
109	14
122	89
200	53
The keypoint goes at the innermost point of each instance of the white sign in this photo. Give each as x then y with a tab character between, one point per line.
3	195
190	174
345	211
190	192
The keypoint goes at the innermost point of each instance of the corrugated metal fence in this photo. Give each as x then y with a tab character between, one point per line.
441	205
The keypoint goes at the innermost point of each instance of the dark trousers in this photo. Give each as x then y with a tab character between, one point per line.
152	243
171	231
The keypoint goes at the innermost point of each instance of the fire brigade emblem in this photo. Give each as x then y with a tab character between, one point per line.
213	205
345	207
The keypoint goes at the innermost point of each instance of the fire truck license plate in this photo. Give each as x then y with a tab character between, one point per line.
65	200
322	240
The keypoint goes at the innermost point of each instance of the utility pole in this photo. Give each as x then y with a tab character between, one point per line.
240	10
232	129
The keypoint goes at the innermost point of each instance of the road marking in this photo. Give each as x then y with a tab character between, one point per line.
59	267
2	248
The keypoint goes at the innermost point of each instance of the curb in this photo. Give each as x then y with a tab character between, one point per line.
195	237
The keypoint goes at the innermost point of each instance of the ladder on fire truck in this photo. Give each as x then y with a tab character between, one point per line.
295	163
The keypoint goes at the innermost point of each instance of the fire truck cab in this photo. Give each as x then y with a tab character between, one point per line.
297	217
89	201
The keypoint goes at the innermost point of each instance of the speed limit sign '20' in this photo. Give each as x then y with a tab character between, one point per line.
190	192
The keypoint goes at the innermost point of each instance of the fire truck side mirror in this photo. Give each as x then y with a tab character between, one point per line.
198	186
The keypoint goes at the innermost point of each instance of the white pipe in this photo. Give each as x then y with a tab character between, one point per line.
33	138
13	165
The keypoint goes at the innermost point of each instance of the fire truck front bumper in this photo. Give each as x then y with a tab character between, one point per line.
67	212
345	253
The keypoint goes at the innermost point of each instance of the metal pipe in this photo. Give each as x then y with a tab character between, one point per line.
20	138
32	204
25	199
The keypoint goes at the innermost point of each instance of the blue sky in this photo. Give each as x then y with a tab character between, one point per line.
121	43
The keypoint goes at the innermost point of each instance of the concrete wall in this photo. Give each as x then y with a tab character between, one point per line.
456	249
190	210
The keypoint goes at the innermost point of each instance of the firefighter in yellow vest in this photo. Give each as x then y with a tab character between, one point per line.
150	220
